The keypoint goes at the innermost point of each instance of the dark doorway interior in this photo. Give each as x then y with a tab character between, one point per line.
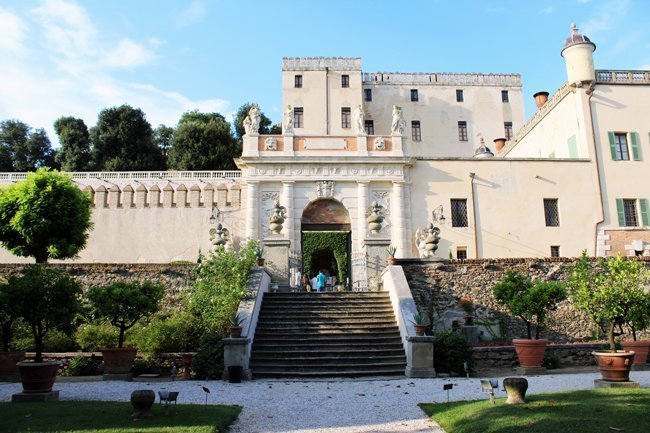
324	260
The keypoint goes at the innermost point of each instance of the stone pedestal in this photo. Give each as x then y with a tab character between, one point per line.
530	371
276	253
125	377
419	357
236	351
599	383
30	397
376	254
516	388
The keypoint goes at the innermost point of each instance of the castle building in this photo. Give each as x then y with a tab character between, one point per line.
433	164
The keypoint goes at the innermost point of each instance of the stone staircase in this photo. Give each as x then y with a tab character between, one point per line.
328	334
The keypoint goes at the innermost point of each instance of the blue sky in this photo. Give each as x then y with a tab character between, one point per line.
67	57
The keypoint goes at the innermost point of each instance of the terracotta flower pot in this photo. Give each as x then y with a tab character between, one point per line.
391	261
8	361
615	366
530	352
38	376
260	262
235	331
640	347
420	329
118	360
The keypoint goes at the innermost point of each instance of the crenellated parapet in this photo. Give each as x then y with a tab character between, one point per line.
321	63
442	79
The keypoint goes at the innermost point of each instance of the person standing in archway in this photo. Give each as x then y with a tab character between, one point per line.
321	280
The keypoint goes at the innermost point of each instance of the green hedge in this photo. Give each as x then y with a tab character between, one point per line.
335	241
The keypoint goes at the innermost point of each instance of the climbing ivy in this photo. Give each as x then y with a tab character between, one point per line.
336	241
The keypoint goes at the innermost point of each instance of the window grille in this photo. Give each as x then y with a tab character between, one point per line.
551	212
459	213
462	131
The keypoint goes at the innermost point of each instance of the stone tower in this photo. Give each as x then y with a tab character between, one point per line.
578	54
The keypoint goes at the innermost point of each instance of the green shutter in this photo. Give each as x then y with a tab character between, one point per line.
612	145
645	218
573	147
621	212
636	151
552	155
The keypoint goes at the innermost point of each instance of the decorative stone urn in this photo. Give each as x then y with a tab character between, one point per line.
142	400
432	239
277	218
375	217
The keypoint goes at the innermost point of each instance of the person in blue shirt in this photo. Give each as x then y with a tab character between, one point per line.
320	281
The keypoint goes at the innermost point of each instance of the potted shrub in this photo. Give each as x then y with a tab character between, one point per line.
638	320
259	255
235	325
390	260
531	302
8	315
608	293
47	299
420	322
123	303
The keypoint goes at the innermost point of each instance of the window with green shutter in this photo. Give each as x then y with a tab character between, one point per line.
620	212
636	148
643	205
573	147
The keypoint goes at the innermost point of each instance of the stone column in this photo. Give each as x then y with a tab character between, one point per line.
398	232
252	210
362	205
287	201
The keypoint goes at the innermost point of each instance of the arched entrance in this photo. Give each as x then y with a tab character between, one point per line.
326	240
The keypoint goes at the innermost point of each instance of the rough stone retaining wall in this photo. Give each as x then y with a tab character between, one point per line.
569	355
438	287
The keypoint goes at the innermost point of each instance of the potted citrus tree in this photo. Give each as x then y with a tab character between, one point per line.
608	293
531	302
47	299
8	315
45	216
638	320
123	303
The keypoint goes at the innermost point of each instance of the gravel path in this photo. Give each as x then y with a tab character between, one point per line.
359	406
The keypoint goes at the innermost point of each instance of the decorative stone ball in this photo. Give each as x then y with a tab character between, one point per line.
516	388
142	400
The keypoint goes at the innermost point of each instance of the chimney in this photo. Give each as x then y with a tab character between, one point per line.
540	99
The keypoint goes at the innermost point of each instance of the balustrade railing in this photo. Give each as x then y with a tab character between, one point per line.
442	78
622	77
138	175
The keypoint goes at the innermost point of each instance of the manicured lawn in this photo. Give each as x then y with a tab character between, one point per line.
592	411
112	417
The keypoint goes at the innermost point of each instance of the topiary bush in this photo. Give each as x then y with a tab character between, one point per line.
450	351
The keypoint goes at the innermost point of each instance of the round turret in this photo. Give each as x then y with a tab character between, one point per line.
578	54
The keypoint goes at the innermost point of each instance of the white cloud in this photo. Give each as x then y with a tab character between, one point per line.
72	71
128	54
546	11
193	14
12	30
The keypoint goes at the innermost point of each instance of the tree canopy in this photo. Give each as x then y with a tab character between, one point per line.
74	138
45	216
24	149
123	141
203	141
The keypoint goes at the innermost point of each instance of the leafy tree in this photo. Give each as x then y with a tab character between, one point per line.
265	122
530	301
47	299
203	141
45	216
24	149
162	137
123	141
8	315
608	292
74	137
123	303
638	318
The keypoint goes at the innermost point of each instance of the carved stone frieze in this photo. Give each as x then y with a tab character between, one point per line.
324	189
271	143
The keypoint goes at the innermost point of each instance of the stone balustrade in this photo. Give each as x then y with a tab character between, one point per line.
232	175
622	77
442	79
321	63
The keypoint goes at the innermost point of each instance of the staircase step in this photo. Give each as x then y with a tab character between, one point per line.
342	360
354	352
355	372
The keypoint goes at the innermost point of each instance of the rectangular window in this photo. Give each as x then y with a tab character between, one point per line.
414	95
459	95
345	81
507	126
462	130
346	120
297	117
458	212
573	147
628	211
555	251
367	94
415	130
297	81
551	212
370	127
461	253
504	96
618	143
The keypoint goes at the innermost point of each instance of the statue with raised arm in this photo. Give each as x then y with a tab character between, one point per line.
288	121
398	126
359	124
254	116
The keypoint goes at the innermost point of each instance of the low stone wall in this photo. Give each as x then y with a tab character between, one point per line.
438	287
568	355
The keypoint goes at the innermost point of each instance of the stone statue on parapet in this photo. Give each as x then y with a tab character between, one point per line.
219	236
398	126
359	124
252	121
288	121
375	217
